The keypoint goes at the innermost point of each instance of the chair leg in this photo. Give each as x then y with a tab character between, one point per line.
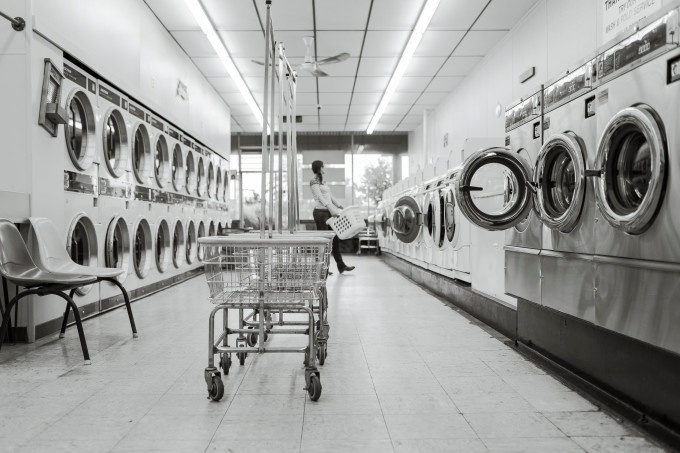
5	295
12	303
79	324
127	304
66	312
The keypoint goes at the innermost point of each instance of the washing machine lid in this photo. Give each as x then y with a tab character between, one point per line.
632	158
494	189
407	219
560	174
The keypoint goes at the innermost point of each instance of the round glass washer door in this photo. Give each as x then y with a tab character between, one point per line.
407	219
163	248
81	245
449	214
560	173
141	154
200	252
115	141
191	243
190	173
178	250
218	185
161	162
493	189
211	180
632	156
142	248
80	130
177	168
117	246
430	208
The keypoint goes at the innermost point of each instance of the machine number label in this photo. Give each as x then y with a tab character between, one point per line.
673	70
157	124
74	76
187	142
109	96
136	111
173	133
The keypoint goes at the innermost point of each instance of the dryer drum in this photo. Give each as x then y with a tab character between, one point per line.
632	154
178	249
190	173
141	154
142	248
211	181
163	249
81	245
161	162
441	233
79	130
201	233
115	140
449	215
191	243
218	185
177	169
200	178
560	172
406	219
117	246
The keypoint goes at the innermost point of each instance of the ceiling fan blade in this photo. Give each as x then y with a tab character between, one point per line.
334	59
261	63
318	73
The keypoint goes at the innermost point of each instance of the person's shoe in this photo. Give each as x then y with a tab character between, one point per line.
346	268
330	273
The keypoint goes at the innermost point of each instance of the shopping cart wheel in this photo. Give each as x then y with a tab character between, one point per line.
321	353
225	363
242	357
314	388
216	389
251	339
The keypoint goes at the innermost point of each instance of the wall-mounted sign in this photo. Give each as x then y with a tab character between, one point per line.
620	15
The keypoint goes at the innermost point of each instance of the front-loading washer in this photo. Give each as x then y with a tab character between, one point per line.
637	233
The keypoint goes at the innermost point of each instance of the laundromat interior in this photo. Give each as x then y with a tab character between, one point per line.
500	267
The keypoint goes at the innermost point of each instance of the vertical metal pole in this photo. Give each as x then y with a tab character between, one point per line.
240	184
272	136
351	137
267	62
281	112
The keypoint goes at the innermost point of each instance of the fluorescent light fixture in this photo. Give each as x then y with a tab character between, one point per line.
417	34
204	22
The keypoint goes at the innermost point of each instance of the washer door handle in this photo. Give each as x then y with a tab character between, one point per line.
471	188
593	173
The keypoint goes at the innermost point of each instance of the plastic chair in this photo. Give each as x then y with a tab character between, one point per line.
17	267
50	254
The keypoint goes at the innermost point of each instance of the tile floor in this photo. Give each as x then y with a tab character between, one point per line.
405	373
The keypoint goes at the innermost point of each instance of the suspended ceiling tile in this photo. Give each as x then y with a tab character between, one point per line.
255	84
334	109
438	43
377	66
336	84
479	42
456	14
232	14
306	98
223	84
210	66
432	97
194	43
306	127
503	15
174	14
306	85
244	44
419	108
385	43
288	15
403	97
394	14
330	43
413	83
334	98
341	15
249	68
384	127
347	68
309	109
397	109
424	66
459	66
356	119
370	84
293	44
357	127
333	119
367	98
233	99
362	109
406	127
444	83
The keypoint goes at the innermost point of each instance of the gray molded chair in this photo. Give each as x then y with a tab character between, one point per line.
50	254
17	267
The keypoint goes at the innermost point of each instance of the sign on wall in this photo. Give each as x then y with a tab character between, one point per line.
620	15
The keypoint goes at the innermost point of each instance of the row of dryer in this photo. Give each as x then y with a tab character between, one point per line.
137	191
586	188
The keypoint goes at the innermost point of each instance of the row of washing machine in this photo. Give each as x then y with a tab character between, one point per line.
137	192
586	188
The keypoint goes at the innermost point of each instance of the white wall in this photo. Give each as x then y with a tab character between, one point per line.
124	42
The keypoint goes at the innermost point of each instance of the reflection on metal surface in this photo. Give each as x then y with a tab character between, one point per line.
200	253
191	242
81	244
407	219
177	168
141	154
79	130
523	274
481	189
114	136
190	173
560	173
568	284
117	246
142	248
163	246
161	162
449	215
632	156
178	250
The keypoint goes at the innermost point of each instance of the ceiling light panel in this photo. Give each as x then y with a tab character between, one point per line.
223	84
438	43
478	43
341	15
459	66
385	43
394	14
232	14
503	15
456	14
174	14
194	43
377	66
424	66
416	84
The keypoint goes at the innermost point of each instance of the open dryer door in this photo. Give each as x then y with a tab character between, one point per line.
407	219
494	189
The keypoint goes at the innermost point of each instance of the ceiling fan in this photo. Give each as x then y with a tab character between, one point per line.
310	65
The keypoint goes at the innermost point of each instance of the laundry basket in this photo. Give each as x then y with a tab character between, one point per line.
349	223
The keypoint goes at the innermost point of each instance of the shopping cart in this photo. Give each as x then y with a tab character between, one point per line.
283	274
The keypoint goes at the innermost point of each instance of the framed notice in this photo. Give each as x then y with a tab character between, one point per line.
619	16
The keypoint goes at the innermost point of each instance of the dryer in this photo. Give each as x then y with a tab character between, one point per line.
565	198
637	234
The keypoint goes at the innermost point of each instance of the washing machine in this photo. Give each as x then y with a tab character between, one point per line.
456	231
201	179
433	225
565	197
190	243
190	176
407	222
637	233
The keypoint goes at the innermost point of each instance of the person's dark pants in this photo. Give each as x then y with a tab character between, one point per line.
320	217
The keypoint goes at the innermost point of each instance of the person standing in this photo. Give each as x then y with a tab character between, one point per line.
326	206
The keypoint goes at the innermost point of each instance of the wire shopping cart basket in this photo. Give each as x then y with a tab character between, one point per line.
283	274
